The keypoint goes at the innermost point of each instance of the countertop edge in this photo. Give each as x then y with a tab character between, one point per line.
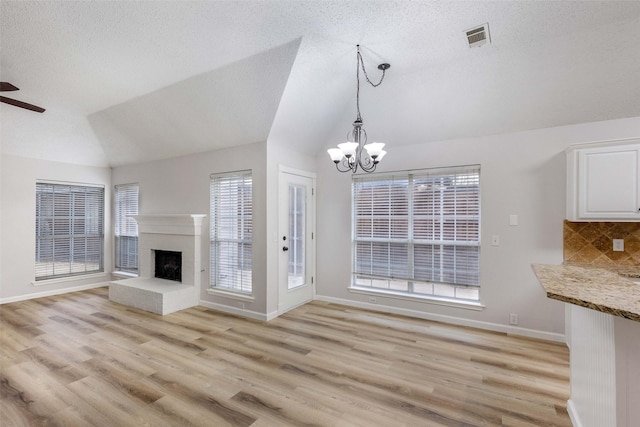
577	286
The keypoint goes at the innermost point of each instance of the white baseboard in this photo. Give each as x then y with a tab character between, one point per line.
573	415
272	315
51	293
507	329
238	311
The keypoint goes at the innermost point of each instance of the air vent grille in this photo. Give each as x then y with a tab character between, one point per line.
478	36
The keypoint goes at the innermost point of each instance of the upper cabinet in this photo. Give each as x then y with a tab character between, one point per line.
603	181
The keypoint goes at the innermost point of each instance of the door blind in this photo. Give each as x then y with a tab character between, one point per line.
69	230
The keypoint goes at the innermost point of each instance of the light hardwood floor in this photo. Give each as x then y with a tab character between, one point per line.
79	359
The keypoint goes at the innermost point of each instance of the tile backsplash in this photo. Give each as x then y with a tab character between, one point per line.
592	243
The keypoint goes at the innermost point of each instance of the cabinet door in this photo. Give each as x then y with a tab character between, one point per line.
608	186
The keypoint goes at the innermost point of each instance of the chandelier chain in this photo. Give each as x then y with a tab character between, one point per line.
360	63
364	70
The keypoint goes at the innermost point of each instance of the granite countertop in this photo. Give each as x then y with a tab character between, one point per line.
609	290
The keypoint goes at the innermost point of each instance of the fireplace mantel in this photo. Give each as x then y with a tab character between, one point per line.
181	224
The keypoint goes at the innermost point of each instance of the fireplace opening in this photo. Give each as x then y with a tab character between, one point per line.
168	265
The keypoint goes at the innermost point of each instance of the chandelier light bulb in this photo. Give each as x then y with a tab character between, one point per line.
348	149
374	149
336	154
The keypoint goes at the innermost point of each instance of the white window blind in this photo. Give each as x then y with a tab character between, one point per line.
231	202
414	231
69	230
126	228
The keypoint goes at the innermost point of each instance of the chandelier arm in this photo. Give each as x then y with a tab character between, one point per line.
341	170
346	166
366	162
369	166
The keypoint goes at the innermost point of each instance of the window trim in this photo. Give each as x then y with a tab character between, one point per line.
411	241
475	305
74	278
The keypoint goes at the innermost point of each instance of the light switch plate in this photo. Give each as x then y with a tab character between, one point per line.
618	245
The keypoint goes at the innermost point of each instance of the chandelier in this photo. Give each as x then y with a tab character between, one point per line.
356	153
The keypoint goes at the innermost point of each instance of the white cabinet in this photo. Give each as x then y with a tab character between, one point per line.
603	181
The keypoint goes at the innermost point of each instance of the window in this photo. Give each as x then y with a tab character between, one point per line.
126	228
69	230
418	232
231	229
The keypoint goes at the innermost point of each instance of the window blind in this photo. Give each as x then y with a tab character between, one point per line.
69	230
126	228
417	227
231	216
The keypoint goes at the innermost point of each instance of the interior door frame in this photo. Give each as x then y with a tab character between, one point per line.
311	210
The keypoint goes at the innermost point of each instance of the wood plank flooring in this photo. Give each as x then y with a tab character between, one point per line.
78	360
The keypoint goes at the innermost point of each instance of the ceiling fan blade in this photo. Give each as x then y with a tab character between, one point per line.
21	104
7	87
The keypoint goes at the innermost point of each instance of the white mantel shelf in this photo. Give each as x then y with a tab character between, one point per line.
181	224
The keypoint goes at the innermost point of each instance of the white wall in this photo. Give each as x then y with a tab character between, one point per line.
181	185
18	189
521	173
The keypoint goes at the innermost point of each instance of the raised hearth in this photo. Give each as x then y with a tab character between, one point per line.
177	234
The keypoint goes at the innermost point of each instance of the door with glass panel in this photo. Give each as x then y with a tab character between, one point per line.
296	243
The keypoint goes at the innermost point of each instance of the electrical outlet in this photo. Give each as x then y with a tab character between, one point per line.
372	300
495	240
513	319
241	305
618	245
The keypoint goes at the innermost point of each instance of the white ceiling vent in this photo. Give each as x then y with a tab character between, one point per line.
478	36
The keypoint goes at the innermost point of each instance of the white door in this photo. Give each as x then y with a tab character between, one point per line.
296	243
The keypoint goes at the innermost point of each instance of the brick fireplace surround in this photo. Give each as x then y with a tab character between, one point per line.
167	232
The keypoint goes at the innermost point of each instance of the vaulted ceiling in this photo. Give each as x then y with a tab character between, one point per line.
132	81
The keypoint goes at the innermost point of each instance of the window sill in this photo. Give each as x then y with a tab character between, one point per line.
230	294
70	279
123	275
468	305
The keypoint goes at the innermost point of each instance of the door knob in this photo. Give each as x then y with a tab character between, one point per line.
285	249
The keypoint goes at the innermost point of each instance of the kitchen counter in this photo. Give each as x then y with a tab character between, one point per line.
608	290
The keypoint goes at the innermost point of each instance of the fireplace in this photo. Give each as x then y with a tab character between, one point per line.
169	254
168	265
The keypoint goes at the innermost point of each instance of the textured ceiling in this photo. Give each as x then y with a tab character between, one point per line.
131	81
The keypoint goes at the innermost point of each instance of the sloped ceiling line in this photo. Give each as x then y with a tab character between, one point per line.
232	105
